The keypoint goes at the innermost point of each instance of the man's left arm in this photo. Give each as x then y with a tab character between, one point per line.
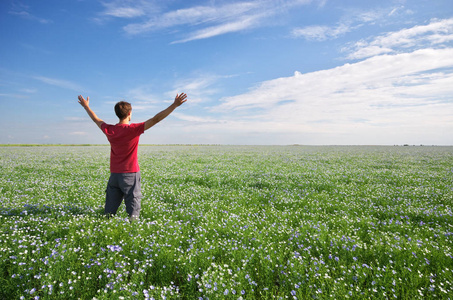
179	99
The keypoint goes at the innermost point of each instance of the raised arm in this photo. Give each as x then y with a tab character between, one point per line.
93	116
179	99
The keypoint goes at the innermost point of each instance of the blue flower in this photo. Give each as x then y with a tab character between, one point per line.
114	248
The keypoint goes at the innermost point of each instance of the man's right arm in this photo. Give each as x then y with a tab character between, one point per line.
86	105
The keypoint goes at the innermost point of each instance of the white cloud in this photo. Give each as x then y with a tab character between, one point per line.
200	22
195	119
124	12
348	23
321	33
371	75
59	83
209	32
200	87
21	10
28	90
389	94
436	33
18	96
145	99
226	18
143	93
128	8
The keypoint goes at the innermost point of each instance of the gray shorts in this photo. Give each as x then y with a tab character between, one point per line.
123	186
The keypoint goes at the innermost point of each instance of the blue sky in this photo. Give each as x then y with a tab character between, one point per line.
256	72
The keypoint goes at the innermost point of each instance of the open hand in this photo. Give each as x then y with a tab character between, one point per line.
180	99
83	102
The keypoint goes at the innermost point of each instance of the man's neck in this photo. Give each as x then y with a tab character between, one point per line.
124	121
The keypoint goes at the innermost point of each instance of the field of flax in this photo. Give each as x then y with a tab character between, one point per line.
224	222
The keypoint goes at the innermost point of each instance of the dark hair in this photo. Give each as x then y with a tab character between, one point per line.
122	109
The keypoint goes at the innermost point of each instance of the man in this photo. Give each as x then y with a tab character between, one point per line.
124	181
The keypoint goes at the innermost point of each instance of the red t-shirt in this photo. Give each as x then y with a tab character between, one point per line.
123	140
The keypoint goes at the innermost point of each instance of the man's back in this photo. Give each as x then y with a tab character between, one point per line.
123	140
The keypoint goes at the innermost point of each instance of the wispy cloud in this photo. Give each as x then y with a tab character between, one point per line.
199	22
128	8
193	16
18	96
196	119
348	23
235	26
393	92
201	87
143	93
23	11
143	98
321	33
436	33
379	81
203	21
65	84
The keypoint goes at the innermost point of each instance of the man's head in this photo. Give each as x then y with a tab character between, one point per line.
123	109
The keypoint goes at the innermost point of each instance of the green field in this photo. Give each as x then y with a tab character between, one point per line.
224	222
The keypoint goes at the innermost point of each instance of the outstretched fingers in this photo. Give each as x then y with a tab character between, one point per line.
84	102
181	98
